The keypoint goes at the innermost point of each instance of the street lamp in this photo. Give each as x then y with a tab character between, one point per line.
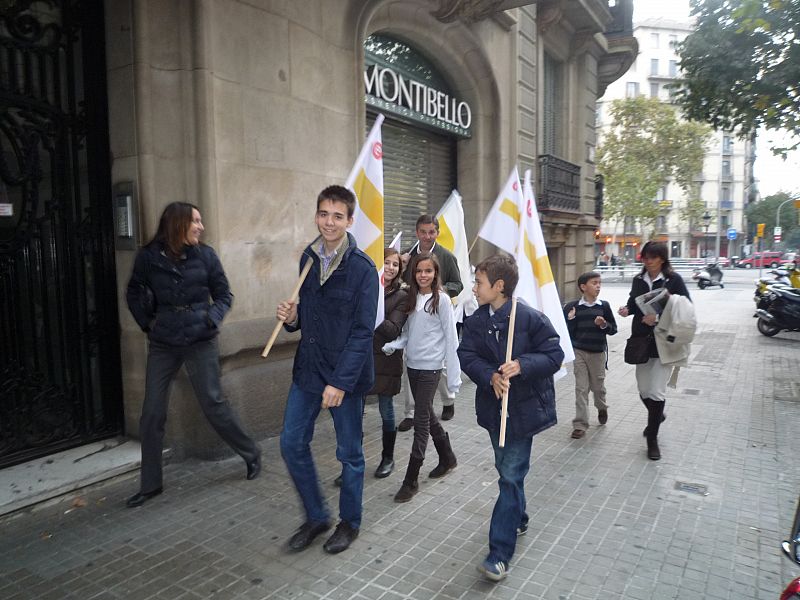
706	221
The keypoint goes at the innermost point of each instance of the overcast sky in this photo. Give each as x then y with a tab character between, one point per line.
773	174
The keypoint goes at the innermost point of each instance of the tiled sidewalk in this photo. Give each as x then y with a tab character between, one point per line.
704	522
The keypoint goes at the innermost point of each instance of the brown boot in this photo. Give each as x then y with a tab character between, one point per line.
410	486
447	460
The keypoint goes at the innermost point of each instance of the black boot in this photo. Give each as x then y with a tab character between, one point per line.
447	460
655	413
387	456
663	415
410	486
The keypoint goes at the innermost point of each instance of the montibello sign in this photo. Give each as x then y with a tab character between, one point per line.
387	89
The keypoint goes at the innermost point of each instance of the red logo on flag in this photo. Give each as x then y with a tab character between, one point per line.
515	186
383	280
377	150
530	213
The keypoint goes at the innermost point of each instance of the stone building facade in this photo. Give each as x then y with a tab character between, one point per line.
248	109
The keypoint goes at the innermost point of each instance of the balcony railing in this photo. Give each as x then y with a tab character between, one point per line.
726	204
559	185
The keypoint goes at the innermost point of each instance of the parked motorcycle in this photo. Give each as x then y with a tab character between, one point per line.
782	312
708	276
791	548
787	278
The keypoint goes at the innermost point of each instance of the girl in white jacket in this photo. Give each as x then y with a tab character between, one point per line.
430	342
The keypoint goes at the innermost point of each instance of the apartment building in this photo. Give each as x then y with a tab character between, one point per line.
726	181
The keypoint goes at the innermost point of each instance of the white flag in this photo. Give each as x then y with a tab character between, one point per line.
536	284
453	236
501	226
396	241
366	182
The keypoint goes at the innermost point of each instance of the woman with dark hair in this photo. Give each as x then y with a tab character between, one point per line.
652	376
178	294
389	369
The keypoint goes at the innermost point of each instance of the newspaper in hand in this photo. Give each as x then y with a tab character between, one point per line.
653	303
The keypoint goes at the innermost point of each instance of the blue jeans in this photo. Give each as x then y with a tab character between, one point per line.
386	408
301	413
512	463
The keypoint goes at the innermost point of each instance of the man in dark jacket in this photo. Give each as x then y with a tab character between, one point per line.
427	230
333	367
537	355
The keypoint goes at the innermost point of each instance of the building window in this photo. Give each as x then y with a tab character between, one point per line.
654	90
726	167
632	89
673	68
673	40
723	221
654	40
553	106
727	144
661	224
726	193
653	66
661	194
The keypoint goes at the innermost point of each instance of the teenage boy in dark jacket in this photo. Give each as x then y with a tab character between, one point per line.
531	397
589	321
333	367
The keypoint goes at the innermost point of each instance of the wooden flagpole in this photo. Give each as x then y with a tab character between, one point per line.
293	297
472	245
509	345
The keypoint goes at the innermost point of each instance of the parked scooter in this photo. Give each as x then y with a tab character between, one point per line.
791	548
708	276
782	313
787	278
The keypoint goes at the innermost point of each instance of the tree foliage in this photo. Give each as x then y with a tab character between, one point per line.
741	65
646	146
766	211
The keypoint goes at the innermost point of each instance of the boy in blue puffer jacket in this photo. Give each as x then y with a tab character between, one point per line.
531	398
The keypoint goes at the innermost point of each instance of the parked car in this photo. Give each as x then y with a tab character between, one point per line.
790	258
760	260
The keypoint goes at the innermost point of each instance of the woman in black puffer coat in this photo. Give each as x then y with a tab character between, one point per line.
178	294
389	369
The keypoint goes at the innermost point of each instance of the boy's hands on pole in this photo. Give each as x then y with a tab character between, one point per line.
287	311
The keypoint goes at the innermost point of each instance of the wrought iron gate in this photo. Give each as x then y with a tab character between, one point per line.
59	327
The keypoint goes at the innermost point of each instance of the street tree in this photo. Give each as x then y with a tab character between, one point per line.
646	146
766	211
741	66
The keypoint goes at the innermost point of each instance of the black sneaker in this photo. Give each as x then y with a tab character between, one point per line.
448	412
405	424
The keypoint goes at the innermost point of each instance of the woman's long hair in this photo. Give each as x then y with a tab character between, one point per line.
657	250
394	285
432	305
173	226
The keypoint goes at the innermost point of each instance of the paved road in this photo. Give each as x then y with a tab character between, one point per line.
704	522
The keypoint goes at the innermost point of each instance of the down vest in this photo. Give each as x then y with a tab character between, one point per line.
181	302
531	398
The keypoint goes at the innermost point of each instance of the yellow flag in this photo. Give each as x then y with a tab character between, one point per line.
366	182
